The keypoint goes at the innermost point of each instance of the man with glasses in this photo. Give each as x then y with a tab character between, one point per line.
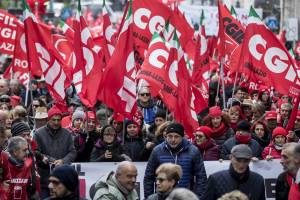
238	177
167	177
146	105
64	183
178	150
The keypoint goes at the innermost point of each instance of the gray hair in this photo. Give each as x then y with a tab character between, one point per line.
182	194
297	150
14	144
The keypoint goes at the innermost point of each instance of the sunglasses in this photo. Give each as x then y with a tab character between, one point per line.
145	94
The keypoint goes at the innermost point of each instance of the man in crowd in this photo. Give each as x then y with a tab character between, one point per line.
271	120
20	168
176	149
167	177
290	160
242	136
4	170
238	177
146	104
284	111
55	145
63	183
118	185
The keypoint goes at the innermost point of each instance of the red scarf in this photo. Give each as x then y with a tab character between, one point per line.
243	139
218	132
294	193
204	145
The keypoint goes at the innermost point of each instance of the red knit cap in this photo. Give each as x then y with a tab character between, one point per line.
206	130
54	111
279	131
215	111
271	115
91	115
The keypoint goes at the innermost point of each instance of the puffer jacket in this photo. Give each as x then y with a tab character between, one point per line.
190	160
272	151
107	189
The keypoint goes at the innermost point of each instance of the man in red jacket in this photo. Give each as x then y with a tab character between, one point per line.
4	170
20	168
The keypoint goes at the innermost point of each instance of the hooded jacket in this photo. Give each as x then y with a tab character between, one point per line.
107	188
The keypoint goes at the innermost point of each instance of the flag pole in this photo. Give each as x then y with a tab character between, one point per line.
223	82
218	88
234	86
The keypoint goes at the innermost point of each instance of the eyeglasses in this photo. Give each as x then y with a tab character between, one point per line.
159	179
145	94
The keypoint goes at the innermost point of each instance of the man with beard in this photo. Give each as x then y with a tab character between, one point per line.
238	177
290	160
55	145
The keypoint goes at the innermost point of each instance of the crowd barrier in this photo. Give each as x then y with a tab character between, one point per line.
89	173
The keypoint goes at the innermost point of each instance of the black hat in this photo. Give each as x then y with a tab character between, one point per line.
243	125
67	176
160	113
19	127
175	127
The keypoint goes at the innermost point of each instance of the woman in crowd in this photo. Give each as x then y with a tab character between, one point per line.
260	133
207	146
133	142
235	115
220	125
258	111
273	150
108	148
78	119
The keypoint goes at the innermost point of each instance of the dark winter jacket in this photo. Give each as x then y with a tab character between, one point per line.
210	151
231	142
101	147
70	197
134	147
159	196
263	142
188	157
54	144
219	183
84	144
283	184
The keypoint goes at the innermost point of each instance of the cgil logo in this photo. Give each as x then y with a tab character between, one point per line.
275	59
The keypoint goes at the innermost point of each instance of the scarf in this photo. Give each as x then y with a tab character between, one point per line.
204	145
218	132
243	139
121	188
240	178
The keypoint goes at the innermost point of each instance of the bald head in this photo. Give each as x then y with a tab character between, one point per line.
126	174
125	166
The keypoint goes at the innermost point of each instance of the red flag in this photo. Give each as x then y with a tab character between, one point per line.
231	34
8	27
44	55
119	85
265	58
88	69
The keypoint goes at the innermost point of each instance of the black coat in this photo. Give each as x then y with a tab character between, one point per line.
219	183
84	144
135	148
100	148
282	187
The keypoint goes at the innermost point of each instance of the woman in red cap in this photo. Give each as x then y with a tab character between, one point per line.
207	146
220	125
273	150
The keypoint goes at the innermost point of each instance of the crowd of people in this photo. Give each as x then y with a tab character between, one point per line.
39	141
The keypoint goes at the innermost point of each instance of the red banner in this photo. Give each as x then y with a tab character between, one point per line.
8	32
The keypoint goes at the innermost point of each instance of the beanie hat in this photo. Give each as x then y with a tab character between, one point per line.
54	111
67	176
206	130
243	125
78	114
215	111
175	127
91	115
161	114
279	131
18	128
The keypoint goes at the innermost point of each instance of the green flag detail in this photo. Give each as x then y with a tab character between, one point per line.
252	13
